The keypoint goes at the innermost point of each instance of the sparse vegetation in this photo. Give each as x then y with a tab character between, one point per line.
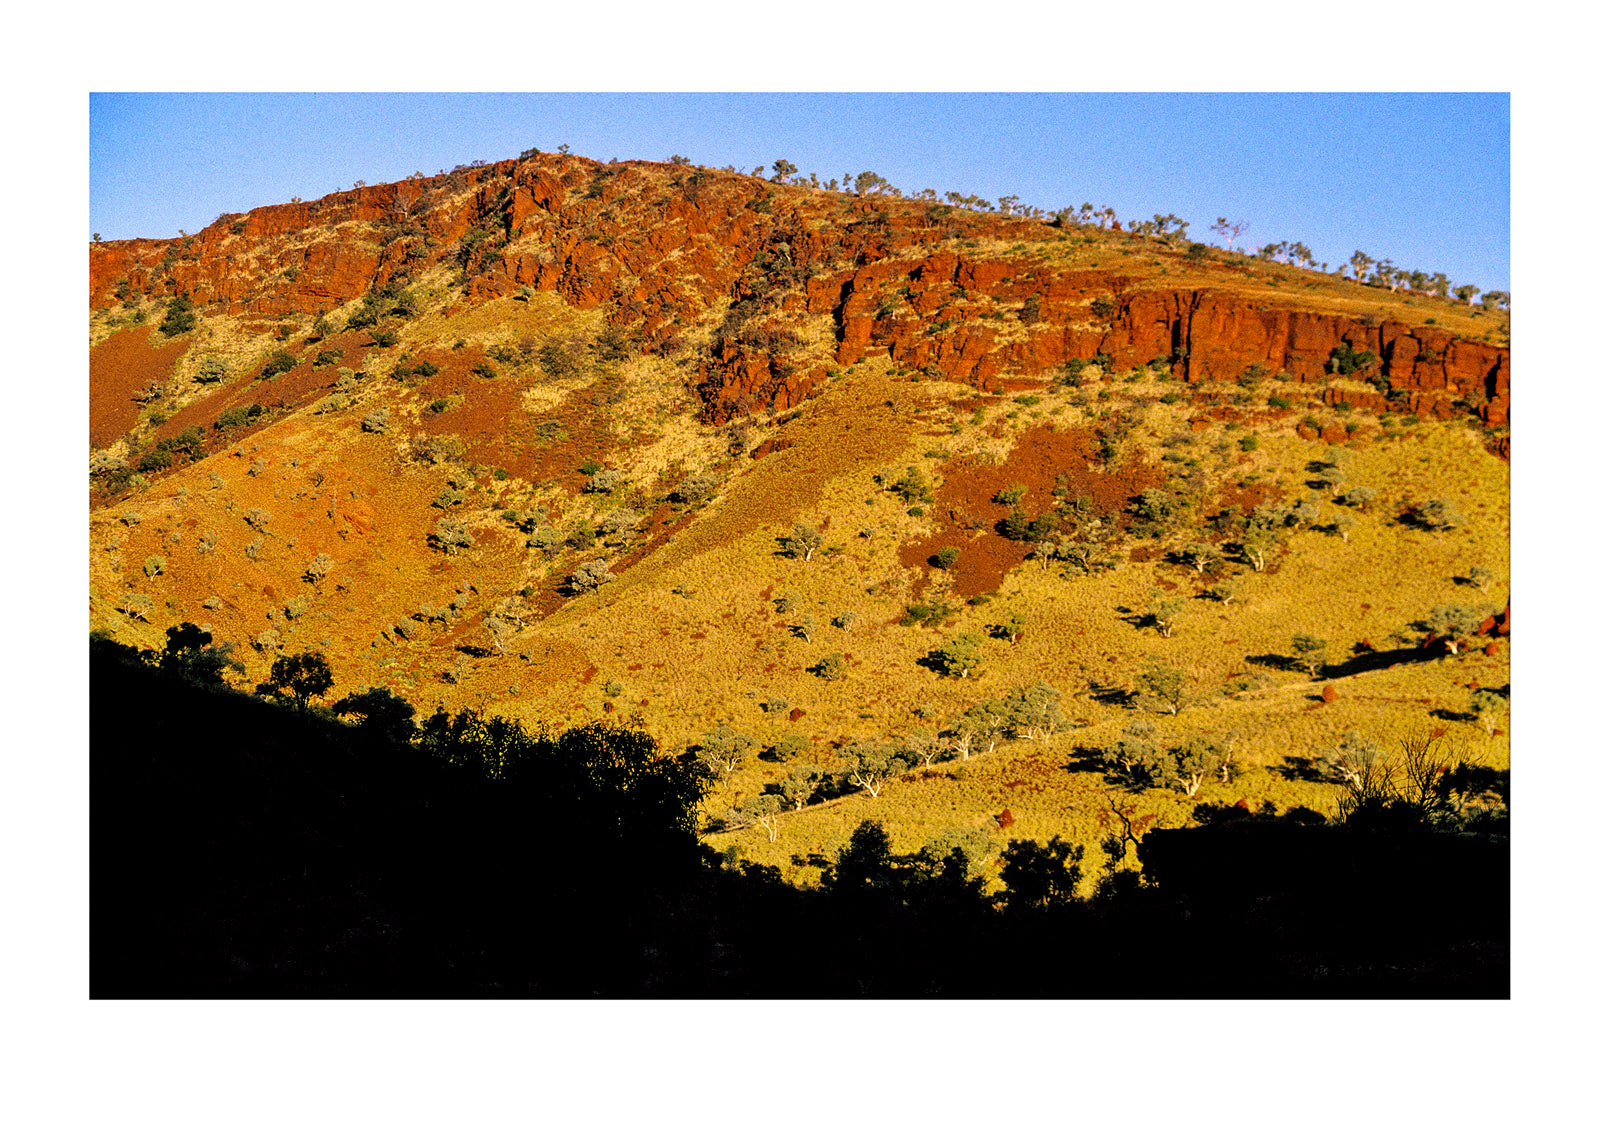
1118	539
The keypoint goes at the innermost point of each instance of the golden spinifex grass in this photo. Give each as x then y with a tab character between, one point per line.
690	635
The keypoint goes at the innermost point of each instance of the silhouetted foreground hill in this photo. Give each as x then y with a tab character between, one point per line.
242	848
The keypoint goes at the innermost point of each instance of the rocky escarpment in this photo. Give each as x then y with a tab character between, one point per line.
660	245
666	249
1209	334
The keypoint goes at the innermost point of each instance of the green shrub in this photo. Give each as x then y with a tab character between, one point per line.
831	667
558	361
211	370
280	362
180	317
238	416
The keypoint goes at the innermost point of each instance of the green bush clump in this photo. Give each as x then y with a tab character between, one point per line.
211	370
280	362
238	416
180	317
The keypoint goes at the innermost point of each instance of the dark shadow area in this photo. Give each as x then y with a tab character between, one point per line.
245	848
1111	696
1085	759
1298	767
1376	660
1453	716
1276	662
931	663
1362	660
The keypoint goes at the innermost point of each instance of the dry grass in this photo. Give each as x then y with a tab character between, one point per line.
689	629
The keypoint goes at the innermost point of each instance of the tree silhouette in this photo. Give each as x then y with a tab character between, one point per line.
298	677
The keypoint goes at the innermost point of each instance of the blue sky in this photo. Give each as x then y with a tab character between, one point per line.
1423	179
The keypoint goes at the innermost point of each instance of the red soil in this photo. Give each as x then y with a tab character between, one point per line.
968	513
497	430
119	367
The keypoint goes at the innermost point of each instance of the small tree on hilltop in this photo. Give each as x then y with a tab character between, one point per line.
802	542
1353	762
1033	712
1134	751
922	744
500	630
1223	591
763	810
831	667
1257	545
1357	497
190	654
1163	614
870	766
1452	625
1487	705
318	569
984	722
450	536
1199	555
1437	514
1312	650
1229	231
1163	689
800	786
1010	628
1187	765
960	658
723	750
790	747
590	576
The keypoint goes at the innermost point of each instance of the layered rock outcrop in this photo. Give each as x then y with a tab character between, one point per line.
665	249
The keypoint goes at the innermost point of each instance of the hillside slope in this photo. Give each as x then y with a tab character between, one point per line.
406	416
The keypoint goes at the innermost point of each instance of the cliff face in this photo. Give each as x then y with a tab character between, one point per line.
1218	334
666	249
